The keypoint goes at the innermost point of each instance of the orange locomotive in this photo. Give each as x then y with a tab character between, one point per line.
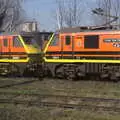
19	54
77	54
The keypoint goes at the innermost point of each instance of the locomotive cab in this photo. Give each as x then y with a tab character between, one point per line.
32	48
30	44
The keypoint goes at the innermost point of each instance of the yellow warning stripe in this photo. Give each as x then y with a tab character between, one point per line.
79	61
13	60
46	47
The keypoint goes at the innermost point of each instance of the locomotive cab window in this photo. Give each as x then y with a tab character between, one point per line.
30	40
55	41
5	42
91	41
17	42
67	40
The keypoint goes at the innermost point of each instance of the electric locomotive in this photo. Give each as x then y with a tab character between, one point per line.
20	55
78	54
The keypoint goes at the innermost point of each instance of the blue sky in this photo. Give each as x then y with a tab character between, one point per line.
43	11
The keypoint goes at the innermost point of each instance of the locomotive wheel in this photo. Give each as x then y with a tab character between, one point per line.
14	70
70	76
59	71
47	72
69	71
59	75
114	77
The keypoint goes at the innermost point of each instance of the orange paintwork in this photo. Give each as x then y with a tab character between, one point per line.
10	50
77	43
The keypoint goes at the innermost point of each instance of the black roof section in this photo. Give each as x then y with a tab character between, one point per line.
25	33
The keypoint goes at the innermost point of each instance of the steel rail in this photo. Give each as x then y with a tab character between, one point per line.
17	84
64	97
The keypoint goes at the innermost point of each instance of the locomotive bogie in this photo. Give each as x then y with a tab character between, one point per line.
21	69
76	71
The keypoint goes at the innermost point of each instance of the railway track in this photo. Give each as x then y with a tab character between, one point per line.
18	83
61	101
60	105
27	93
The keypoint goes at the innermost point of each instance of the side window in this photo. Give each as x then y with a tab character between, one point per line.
17	42
67	40
5	42
55	41
46	37
91	42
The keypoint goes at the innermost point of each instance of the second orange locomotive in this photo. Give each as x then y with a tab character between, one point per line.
77	54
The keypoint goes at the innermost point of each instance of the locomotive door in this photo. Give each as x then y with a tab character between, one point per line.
67	46
79	44
5	47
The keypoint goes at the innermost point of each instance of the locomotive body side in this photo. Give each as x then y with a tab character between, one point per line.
12	49
80	54
93	47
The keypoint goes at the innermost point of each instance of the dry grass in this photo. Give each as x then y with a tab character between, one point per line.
79	88
48	86
32	113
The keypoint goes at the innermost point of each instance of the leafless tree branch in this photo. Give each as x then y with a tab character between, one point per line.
69	12
11	14
110	7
